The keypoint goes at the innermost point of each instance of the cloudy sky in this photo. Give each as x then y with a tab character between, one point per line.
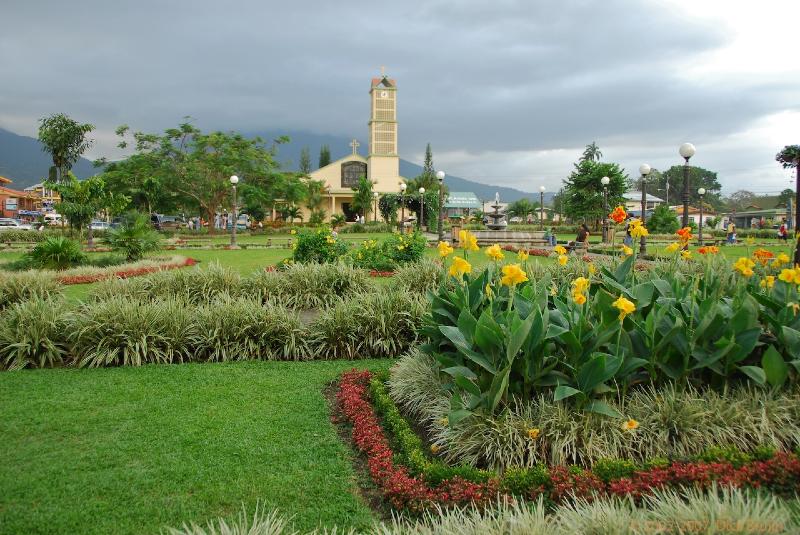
507	92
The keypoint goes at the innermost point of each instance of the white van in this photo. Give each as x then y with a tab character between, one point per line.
52	220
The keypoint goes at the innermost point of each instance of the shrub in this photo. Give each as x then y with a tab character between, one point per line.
190	285
307	285
32	334
376	325
419	277
405	248
134	237
27	285
56	253
128	332
240	329
320	246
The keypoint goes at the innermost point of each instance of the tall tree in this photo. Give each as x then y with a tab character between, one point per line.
362	197
65	140
315	195
196	166
324	156
785	195
427	167
583	191
591	153
305	161
698	178
741	199
522	208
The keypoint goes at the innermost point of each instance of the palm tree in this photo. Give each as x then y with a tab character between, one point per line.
293	212
592	153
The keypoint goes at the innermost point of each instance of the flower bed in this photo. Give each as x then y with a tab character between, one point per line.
412	481
122	272
375	273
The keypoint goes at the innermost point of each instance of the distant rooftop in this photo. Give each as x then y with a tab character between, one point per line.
637	196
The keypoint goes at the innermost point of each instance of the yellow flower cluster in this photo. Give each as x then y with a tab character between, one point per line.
627	251
370	244
790	276
744	266
467	241
562	259
686	255
460	267
630	425
522	255
637	229
534	433
512	275
673	247
495	252
579	288
560	250
624	306
330	239
767	282
780	260
444	249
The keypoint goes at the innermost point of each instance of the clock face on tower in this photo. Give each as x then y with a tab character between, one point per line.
384	94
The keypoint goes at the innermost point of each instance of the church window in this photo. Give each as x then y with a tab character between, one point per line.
352	173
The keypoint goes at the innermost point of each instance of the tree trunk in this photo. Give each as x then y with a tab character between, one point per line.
90	237
211	221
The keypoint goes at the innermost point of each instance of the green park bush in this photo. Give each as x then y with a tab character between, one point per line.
17	287
32	334
56	253
318	246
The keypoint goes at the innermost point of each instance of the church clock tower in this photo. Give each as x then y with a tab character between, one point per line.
383	167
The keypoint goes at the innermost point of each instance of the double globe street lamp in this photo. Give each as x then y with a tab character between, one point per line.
605	181
701	192
421	207
403	187
440	178
686	151
644	170
234	180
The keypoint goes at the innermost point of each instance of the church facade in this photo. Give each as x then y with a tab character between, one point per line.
381	165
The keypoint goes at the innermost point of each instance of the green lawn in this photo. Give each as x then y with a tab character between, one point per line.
131	450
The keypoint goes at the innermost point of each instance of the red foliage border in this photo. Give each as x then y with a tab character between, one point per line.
779	474
123	273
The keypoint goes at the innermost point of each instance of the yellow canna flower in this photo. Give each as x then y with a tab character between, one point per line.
488	291
579	298
293	231
686	255
630	425
522	255
444	249
780	260
744	266
788	275
558	249
624	306
434	449
767	282
534	433
459	267
495	252
627	251
562	259
580	285
467	241
673	247
637	231
513	275
592	269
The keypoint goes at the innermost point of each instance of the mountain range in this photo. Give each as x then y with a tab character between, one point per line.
23	161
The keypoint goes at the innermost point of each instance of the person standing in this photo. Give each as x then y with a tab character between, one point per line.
730	231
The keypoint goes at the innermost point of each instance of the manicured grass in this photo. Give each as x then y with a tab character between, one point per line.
131	450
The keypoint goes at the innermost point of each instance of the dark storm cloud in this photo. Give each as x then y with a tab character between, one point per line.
472	75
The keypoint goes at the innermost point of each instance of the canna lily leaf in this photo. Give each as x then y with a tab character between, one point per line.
755	373
775	368
564	392
601	407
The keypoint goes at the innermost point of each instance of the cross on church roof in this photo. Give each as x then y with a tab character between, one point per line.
355	144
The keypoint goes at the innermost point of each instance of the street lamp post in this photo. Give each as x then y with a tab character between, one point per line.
701	192
644	170
403	207
541	207
686	151
440	177
234	180
375	205
421	207
605	181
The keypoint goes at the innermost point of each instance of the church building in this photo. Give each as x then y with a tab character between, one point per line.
382	163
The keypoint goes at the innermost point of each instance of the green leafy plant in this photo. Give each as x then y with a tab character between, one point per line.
318	245
134	237
57	253
32	334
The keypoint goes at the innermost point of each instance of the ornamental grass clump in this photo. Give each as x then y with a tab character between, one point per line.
307	285
419	277
32	334
125	331
244	329
17	287
56	253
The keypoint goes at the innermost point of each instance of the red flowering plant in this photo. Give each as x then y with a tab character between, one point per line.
410	481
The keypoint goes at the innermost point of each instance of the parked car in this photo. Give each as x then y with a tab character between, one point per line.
6	223
167	222
241	224
100	225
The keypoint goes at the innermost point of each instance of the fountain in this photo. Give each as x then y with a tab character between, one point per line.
498	231
498	218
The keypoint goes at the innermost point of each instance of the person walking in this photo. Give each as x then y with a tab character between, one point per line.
783	232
